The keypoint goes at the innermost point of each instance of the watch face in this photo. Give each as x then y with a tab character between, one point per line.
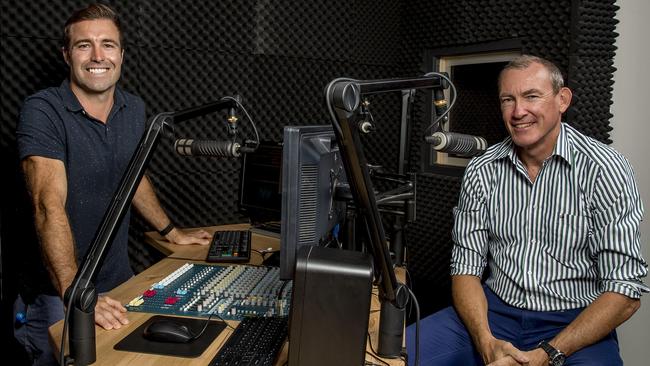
558	360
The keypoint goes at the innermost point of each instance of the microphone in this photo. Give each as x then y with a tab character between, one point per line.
221	149
457	143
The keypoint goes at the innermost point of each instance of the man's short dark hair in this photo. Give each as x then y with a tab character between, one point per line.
523	61
91	12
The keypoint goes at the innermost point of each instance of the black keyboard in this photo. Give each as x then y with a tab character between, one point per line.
256	341
230	246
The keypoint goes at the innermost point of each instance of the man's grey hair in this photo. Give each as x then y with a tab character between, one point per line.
524	61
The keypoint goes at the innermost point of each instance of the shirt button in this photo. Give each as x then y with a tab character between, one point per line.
530	272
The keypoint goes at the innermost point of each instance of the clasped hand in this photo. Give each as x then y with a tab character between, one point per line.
501	353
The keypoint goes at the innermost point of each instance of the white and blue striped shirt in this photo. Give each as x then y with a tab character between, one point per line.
557	243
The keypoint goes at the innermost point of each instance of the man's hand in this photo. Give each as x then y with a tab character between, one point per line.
182	237
109	313
497	352
536	357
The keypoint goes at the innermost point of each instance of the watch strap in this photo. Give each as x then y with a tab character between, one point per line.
164	231
555	356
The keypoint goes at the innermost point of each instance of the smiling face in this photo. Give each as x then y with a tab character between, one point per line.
531	110
94	55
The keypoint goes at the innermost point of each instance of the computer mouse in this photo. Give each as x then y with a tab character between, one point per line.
166	330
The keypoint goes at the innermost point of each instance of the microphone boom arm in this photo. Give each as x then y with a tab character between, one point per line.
343	98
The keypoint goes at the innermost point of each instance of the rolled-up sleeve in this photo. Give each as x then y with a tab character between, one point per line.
617	214
470	231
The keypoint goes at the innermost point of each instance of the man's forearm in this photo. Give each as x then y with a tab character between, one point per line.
47	184
471	305
606	313
57	246
148	206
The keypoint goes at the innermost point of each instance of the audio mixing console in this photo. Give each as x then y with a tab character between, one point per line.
231	292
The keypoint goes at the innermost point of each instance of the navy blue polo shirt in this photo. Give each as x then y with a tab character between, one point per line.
53	124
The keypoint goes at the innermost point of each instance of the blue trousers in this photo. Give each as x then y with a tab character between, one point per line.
444	340
32	334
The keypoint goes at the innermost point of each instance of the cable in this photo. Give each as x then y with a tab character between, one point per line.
65	328
404	356
451	105
257	136
374	353
408	275
417	327
262	254
205	326
207	321
278	301
408	281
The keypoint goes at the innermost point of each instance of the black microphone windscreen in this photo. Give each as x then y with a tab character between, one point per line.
190	147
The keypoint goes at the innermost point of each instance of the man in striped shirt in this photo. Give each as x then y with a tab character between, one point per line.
554	216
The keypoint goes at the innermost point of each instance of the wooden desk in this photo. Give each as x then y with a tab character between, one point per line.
177	256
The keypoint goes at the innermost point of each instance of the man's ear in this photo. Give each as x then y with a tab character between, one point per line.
66	58
565	98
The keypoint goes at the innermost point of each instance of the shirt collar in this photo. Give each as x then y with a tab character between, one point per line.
72	103
506	149
69	99
562	147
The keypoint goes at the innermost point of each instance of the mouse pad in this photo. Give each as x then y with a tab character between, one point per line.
135	341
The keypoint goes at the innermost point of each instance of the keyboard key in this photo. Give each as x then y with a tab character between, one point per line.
256	341
230	246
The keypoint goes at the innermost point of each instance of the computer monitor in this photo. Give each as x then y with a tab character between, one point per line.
260	193
311	170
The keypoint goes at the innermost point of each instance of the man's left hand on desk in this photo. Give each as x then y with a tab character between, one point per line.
186	237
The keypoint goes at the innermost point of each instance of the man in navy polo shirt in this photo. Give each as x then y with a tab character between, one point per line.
75	142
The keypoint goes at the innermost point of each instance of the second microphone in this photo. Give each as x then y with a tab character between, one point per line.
457	143
222	149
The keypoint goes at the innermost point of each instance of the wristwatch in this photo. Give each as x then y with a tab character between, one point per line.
555	356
